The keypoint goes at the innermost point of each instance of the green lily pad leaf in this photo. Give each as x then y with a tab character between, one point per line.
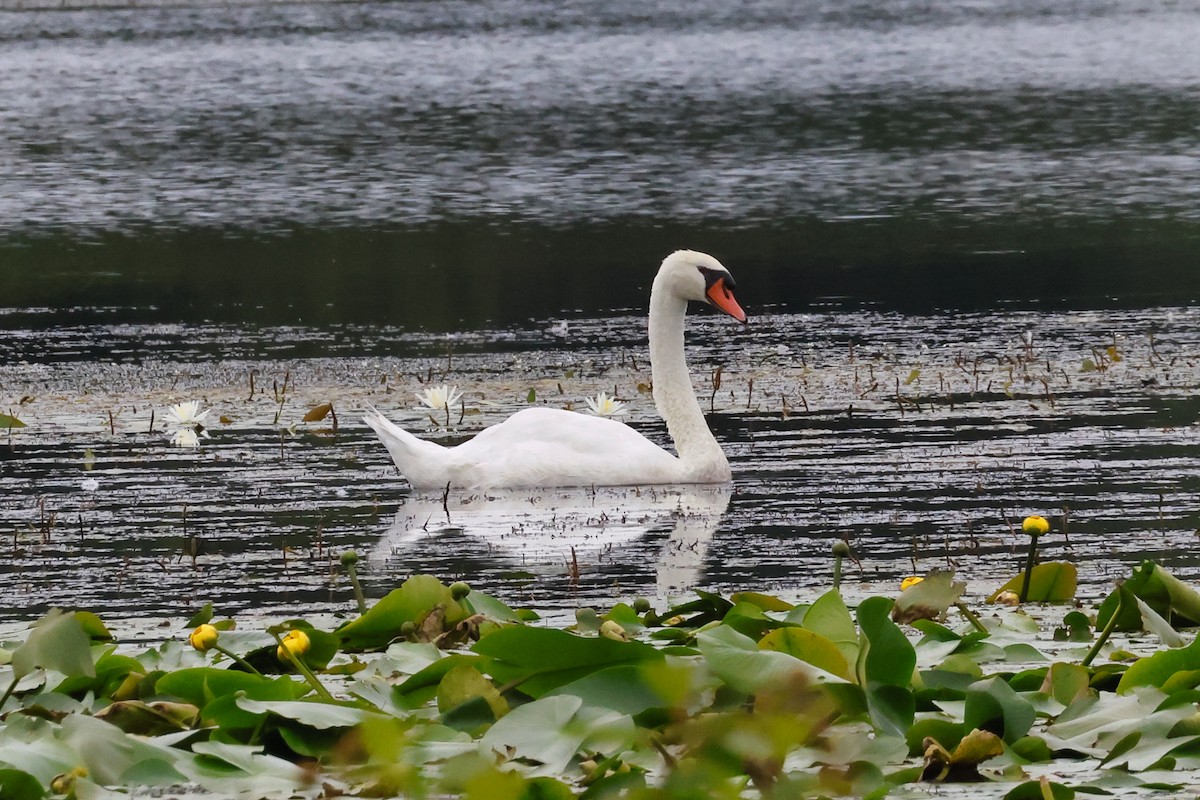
992	704
415	600
1169	597
465	683
886	662
1044	789
421	686
201	617
109	753
58	641
92	627
1066	682
14	783
886	656
1076	627
962	764
829	617
625	688
7	421
1161	667
540	659
150	719
479	603
313	713
807	646
1050	582
764	601
1153	623
546	732
737	660
943	731
200	685
928	599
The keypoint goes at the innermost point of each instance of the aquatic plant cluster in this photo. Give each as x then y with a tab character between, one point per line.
440	690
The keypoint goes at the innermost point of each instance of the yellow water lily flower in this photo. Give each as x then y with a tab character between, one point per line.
911	580
1035	525
204	638
604	406
295	642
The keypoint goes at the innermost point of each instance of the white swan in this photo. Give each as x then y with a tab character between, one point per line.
550	447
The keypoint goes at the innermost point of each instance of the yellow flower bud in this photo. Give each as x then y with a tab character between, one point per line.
204	638
1035	525
295	642
911	580
613	630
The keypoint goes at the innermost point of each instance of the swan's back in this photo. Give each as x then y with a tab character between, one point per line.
550	447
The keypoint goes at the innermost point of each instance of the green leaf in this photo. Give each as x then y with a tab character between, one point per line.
1168	596
1158	669
201	685
808	646
886	661
319	714
201	617
412	602
626	688
928	599
1050	582
540	659
15	784
764	601
736	659
886	656
992	704
7	421
532	396
479	603
830	618
465	683
59	642
1037	790
1066	682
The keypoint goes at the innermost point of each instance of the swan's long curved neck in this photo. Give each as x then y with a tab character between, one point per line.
673	392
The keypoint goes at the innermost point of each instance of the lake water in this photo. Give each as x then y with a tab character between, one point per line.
358	198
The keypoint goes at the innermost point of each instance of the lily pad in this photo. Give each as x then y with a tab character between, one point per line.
1050	582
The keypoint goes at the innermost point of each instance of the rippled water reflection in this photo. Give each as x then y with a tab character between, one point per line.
920	439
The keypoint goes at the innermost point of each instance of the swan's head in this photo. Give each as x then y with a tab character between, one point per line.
700	277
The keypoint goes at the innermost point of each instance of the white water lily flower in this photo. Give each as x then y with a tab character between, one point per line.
441	397
604	406
187	414
185	437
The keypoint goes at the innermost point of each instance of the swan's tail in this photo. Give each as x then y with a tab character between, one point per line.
412	455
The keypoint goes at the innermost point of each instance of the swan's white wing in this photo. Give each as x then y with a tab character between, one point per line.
550	447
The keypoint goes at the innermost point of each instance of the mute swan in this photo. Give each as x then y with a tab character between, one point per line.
542	447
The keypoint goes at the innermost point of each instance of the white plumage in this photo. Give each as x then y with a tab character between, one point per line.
550	447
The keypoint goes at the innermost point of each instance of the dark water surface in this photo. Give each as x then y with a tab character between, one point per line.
349	200
445	164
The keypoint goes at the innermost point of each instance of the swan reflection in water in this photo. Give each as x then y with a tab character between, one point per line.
537	529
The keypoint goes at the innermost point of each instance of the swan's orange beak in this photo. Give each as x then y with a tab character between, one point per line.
722	297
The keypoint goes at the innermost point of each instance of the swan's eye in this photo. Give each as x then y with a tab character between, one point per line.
711	276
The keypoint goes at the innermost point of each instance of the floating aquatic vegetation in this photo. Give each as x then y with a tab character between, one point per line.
435	682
